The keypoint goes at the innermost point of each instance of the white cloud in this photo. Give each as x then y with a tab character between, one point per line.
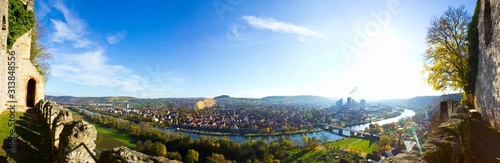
71	29
279	26
90	68
116	38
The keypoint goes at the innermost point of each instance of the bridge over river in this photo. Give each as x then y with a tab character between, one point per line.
352	131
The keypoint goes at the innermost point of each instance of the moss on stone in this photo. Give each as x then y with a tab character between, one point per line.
20	21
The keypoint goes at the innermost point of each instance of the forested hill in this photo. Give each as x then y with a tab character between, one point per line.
423	101
300	98
71	99
279	99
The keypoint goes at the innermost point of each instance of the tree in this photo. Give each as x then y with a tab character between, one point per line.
304	140
375	128
447	48
140	147
148	145
384	142
174	156
217	158
191	156
472	57
39	55
159	149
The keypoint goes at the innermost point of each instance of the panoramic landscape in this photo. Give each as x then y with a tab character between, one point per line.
225	81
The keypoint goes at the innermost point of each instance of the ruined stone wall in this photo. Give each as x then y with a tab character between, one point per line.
25	70
73	141
3	53
448	142
488	78
126	155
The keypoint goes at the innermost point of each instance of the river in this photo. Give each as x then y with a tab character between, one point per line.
298	137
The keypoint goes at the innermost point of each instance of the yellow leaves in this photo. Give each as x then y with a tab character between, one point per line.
384	143
445	57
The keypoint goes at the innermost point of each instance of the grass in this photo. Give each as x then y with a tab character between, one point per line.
304	154
362	144
32	143
313	154
114	134
5	129
108	138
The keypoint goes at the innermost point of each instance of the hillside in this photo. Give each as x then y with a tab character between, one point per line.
71	99
298	99
423	101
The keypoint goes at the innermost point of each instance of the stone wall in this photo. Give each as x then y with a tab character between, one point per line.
448	142
3	54
487	91
25	70
126	155
73	141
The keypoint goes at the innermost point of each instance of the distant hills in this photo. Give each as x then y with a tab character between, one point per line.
295	99
415	102
299	98
71	99
423	101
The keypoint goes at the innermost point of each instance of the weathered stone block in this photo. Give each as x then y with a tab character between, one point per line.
126	155
64	117
487	90
76	142
450	143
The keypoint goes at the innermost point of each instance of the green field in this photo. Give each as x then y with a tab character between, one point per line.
108	138
348	144
5	133
362	144
303	154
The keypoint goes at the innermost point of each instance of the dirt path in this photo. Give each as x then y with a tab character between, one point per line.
485	142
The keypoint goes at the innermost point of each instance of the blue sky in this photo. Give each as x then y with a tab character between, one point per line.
242	48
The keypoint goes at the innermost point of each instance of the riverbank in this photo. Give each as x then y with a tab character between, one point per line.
212	133
384	118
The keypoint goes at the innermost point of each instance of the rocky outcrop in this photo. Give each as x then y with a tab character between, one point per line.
126	155
76	142
64	117
450	142
487	91
73	141
403	158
